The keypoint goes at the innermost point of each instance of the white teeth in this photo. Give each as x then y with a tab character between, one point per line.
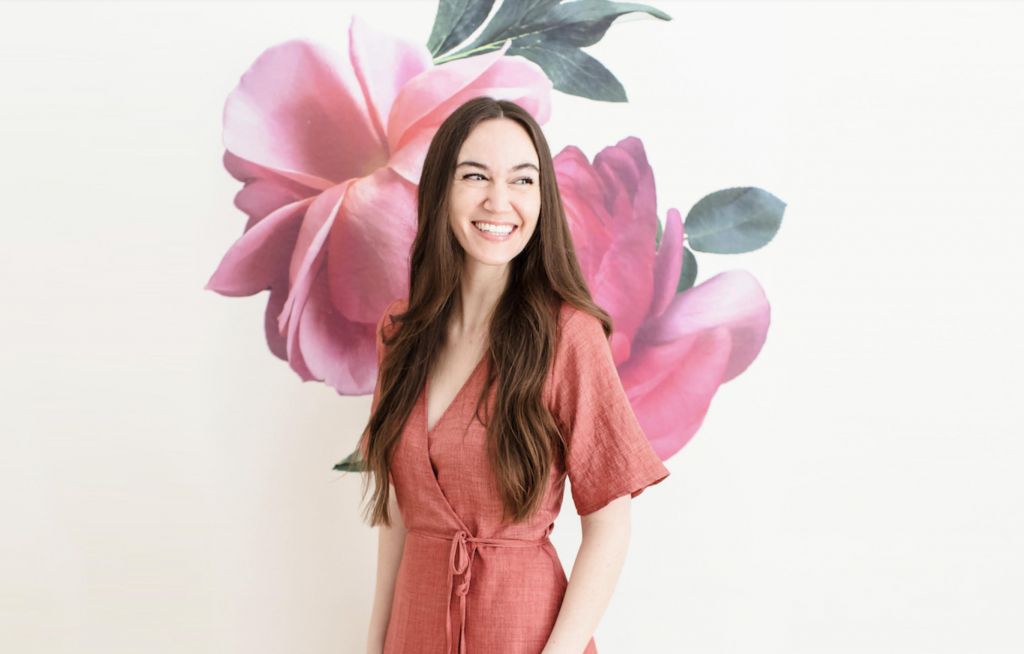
494	229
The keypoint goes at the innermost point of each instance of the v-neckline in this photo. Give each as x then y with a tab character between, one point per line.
458	394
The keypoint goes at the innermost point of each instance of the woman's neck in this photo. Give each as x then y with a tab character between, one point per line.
480	290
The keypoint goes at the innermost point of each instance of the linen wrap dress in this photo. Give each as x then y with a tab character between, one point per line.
467	583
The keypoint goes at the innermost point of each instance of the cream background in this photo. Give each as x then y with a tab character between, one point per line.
165	482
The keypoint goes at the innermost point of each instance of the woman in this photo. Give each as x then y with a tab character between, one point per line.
496	381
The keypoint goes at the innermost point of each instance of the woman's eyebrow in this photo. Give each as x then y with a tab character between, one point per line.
477	164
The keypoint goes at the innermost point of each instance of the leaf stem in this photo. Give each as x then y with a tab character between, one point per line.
494	45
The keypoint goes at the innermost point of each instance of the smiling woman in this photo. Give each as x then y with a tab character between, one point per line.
500	205
496	383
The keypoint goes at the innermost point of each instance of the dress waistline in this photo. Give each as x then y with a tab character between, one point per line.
464	548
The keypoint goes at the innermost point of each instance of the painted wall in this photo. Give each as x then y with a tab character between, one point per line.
166	481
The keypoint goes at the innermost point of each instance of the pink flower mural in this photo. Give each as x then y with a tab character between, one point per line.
329	146
673	350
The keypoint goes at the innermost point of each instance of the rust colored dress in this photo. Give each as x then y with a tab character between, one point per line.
468	584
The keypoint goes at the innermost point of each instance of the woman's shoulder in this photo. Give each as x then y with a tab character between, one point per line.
582	359
579	328
568	313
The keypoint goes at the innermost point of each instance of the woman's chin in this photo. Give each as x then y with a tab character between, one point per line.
482	257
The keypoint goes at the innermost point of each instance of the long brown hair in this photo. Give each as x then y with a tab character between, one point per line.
523	439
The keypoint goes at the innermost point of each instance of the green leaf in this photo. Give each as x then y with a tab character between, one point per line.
584	22
550	34
573	71
455	21
351	463
734	220
514	18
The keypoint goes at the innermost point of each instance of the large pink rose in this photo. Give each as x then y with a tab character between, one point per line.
330	146
673	350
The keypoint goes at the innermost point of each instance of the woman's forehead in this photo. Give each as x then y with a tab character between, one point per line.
498	145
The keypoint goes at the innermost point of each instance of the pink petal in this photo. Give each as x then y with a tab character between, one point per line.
408	161
308	255
275	340
668	264
626	172
261	254
339	352
423	94
368	262
670	385
623	286
429	98
260	197
731	300
583	201
299	110
610	206
264	190
628	184
383	64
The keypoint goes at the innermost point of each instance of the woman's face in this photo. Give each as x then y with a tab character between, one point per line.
496	187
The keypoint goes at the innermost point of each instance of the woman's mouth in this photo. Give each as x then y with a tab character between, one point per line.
493	232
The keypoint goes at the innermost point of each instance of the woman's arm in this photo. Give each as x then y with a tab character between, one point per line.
390	542
594	575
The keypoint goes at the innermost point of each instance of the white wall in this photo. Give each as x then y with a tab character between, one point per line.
165	482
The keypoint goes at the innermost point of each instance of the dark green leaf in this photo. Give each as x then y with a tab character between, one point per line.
351	463
455	21
578	23
573	71
550	33
734	220
585	22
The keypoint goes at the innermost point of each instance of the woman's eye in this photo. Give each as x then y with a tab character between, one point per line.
528	180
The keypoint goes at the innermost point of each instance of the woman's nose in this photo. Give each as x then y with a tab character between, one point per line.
497	199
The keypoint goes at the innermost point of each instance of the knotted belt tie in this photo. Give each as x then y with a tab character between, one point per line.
459	549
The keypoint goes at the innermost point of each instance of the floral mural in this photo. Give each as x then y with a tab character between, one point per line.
328	141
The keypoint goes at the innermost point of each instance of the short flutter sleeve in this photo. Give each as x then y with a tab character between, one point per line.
607	453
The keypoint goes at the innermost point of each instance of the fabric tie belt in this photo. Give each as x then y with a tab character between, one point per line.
464	566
